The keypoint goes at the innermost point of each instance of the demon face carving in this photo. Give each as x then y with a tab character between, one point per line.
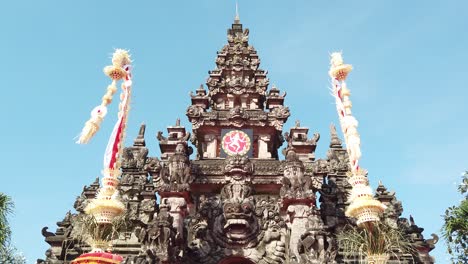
238	167
237	226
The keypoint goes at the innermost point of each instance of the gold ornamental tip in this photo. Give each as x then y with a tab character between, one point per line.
338	69
121	58
115	73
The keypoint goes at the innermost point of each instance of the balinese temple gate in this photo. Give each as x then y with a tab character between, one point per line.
237	200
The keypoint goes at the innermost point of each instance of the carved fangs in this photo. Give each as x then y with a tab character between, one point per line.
242	222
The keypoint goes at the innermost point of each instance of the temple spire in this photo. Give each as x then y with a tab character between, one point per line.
237	19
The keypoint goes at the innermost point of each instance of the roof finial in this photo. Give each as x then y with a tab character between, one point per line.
237	19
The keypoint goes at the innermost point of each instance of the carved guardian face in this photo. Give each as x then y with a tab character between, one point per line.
237	225
238	166
237	217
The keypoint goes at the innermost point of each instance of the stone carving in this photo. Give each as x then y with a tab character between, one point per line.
80	203
194	111
201	245
178	210
159	238
295	183
274	244
316	245
338	160
134	157
237	116
216	210
237	225
176	174
153	165
238	167
335	141
421	245
272	247
394	208
328	203
50	258
281	112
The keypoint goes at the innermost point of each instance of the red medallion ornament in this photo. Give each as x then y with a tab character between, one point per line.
236	142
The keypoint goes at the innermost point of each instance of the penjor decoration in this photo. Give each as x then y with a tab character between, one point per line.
363	206
106	207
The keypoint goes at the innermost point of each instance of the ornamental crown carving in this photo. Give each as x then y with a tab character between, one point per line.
238	167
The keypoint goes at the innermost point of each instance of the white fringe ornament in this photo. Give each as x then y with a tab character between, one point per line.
363	205
116	72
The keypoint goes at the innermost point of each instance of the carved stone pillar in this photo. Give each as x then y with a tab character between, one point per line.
211	146
220	104
244	99
178	211
298	217
263	152
230	101
254	103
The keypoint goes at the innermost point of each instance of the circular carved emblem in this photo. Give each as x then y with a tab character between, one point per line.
236	142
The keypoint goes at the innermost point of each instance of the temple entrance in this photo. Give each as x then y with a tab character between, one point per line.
236	260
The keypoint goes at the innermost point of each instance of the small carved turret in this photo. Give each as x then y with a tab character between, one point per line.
140	139
200	98
176	134
274	99
297	138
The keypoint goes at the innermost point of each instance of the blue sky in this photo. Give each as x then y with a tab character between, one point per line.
408	88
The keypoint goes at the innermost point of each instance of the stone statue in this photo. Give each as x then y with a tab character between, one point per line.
176	174
295	183
160	236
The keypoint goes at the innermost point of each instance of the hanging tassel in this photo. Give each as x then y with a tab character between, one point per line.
97	115
116	72
93	124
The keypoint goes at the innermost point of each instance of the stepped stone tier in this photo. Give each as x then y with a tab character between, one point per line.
237	200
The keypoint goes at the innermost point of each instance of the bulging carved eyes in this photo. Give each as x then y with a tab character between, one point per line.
246	207
229	209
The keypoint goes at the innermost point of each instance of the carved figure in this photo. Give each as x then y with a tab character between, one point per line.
237	225
238	167
176	174
275	247
134	157
160	237
295	183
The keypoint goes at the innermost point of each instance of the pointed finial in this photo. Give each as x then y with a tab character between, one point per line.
140	139
237	19
335	141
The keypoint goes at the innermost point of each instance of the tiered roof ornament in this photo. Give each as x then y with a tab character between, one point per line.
238	96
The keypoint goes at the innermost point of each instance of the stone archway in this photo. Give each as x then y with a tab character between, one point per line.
235	260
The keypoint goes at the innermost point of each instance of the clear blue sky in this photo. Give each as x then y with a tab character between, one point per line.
409	88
